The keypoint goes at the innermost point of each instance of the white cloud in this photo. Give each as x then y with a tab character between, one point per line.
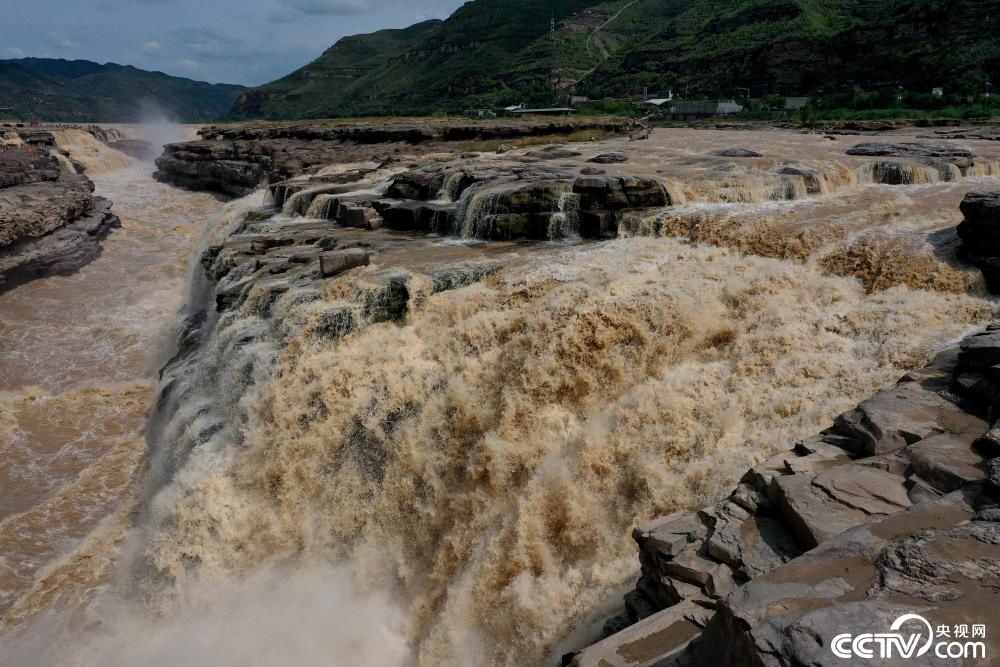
60	41
151	48
12	52
327	7
187	65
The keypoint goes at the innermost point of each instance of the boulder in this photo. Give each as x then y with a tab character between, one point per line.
980	234
658	638
338	261
947	461
753	545
993	472
809	176
361	217
929	153
810	512
553	153
609	158
696	569
899	416
422	185
737	152
456	277
420	216
618	192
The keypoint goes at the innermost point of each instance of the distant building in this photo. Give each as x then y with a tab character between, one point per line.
480	113
937	92
796	103
660	101
579	99
554	111
706	108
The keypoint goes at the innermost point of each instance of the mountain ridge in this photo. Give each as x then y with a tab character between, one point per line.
491	53
59	90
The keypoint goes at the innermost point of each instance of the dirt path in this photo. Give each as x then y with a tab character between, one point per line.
604	52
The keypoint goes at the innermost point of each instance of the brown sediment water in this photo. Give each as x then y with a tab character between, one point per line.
459	487
79	358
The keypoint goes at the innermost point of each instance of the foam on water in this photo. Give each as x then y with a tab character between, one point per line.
496	448
80	358
458	487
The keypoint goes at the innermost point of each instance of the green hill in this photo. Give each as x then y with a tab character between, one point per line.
434	65
493	52
83	91
331	81
802	46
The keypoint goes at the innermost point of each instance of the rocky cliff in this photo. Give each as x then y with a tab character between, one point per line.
50	221
235	161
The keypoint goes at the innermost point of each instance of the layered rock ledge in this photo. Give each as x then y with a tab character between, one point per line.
50	220
235	160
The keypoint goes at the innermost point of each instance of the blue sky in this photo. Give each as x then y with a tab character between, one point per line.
222	41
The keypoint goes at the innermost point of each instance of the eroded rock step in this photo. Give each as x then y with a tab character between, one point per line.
553	193
235	161
894	508
50	221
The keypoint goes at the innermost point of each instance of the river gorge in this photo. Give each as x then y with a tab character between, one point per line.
402	400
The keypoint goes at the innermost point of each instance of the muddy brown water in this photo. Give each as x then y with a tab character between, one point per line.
79	359
582	388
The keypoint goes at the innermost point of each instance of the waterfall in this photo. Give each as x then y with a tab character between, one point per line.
566	223
897	173
451	187
299	202
319	209
473	219
990	168
98	157
64	162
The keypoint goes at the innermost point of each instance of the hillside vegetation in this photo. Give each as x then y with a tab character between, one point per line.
82	91
498	52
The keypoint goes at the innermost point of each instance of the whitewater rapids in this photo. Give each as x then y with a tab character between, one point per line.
459	488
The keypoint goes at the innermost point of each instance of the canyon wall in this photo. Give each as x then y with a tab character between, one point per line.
50	221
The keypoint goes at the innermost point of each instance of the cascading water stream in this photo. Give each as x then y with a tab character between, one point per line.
455	483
